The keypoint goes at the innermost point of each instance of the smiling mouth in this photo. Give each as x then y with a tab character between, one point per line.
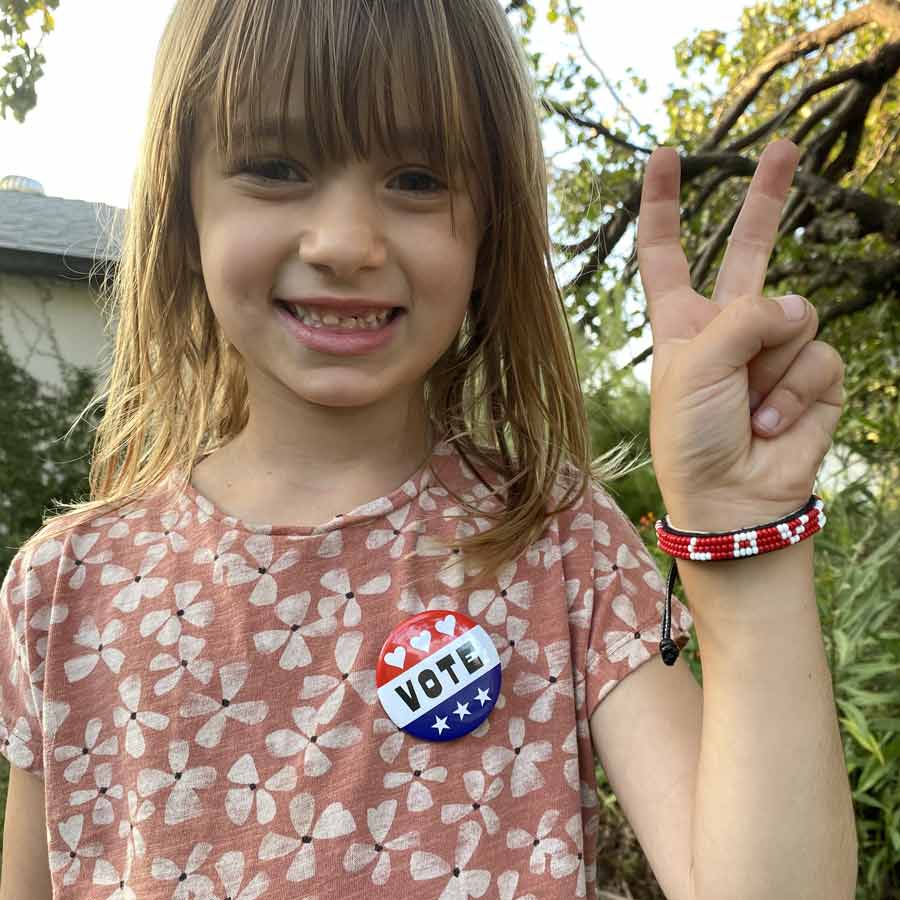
328	320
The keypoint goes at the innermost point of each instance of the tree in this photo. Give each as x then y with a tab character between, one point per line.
820	72
23	64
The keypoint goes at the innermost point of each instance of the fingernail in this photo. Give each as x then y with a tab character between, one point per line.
768	418
794	306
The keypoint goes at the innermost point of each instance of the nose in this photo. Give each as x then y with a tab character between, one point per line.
343	233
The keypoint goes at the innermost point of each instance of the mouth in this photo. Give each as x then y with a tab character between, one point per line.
314	318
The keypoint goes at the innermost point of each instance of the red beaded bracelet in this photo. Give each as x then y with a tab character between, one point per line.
721	545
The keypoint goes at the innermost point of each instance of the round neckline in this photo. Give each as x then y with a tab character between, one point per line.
377	508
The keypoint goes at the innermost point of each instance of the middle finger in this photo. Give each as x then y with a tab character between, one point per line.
750	246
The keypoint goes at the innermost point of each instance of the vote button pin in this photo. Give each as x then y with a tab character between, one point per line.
438	675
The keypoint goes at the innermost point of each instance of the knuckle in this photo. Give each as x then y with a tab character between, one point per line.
826	356
789	398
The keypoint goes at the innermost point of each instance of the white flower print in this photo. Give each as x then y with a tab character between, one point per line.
396	534
292	611
139	585
103	810
262	548
338	581
189	649
89	636
546	550
567	862
507	884
15	742
309	741
106	873
81	546
525	775
570	766
380	819
463	883
335	821
418	797
231	677
515	632
363	682
70	831
494	602
121	522
550	686
132	718
168	621
221	558
239	801
457	568
231	872
392	745
173	523
41	621
410	601
541	844
182	803
19	667
475	788
579	613
189	884
136	815
30	584
629	644
82	756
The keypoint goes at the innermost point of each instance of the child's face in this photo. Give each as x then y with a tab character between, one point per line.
374	229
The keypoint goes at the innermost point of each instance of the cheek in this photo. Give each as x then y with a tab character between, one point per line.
235	256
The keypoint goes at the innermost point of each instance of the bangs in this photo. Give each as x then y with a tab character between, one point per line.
372	77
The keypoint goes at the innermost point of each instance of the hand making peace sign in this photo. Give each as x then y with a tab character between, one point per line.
716	469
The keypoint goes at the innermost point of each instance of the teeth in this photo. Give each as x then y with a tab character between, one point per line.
314	319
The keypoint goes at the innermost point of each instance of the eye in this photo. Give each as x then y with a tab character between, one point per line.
271	166
422	176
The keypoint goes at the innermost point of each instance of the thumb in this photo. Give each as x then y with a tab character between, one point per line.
743	329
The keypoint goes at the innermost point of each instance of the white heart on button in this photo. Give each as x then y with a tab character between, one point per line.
396	657
422	641
447	625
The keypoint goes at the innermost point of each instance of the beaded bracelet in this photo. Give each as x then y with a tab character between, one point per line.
720	545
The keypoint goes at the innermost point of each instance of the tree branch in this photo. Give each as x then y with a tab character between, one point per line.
786	53
554	106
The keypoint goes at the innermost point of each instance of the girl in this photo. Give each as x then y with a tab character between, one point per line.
349	611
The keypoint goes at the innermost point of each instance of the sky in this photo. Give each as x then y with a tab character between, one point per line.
81	140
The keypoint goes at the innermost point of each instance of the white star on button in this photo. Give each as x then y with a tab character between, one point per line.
462	709
483	696
440	724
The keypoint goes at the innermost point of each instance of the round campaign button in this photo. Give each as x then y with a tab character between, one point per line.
438	675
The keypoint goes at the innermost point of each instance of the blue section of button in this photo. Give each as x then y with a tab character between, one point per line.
460	713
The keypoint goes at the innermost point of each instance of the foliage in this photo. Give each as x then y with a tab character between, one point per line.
33	472
23	64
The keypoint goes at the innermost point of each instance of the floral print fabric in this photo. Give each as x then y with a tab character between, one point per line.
198	695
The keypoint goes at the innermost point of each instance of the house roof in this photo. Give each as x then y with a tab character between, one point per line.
55	236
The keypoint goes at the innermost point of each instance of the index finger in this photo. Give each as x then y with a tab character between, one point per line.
752	240
663	266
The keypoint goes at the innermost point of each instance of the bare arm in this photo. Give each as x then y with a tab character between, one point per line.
26	870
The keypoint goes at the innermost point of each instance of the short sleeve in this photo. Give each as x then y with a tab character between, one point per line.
628	602
27	587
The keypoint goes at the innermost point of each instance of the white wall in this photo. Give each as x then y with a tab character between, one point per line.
42	319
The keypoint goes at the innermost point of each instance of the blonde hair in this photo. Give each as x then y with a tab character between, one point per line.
506	393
